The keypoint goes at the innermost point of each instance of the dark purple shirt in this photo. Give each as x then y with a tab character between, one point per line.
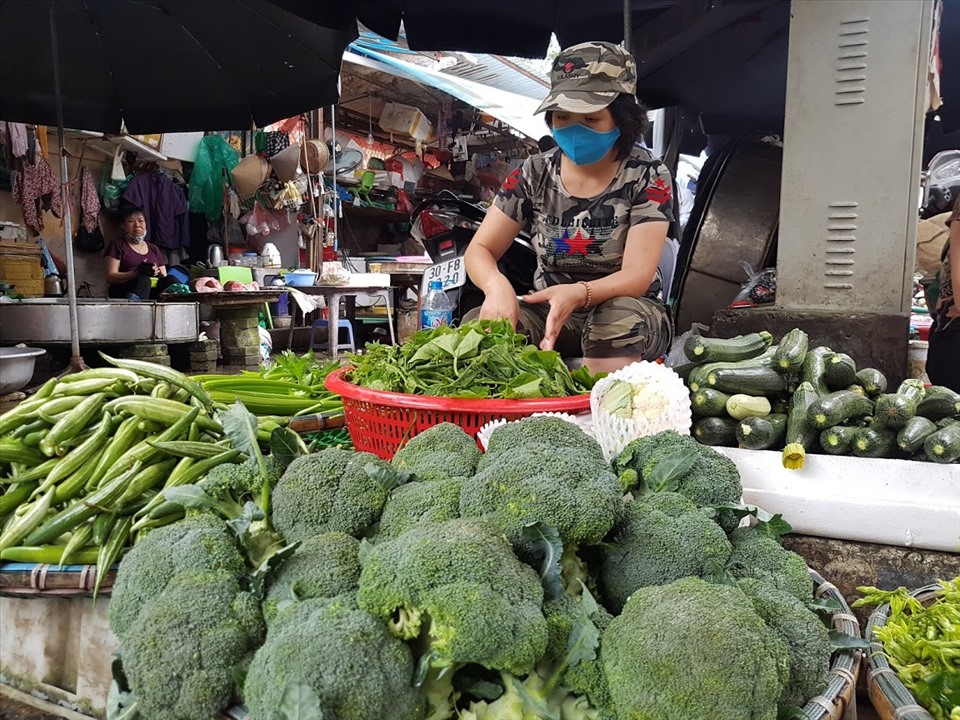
130	259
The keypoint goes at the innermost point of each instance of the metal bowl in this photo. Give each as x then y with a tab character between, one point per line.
16	367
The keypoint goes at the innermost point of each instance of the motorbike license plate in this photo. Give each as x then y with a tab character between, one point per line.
452	273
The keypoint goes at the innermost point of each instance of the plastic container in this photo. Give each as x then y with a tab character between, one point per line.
380	422
299	278
436	308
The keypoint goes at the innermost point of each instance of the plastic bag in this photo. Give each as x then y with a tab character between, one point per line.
206	182
676	356
760	288
260	221
266	344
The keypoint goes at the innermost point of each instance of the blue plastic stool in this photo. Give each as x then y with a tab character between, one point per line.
342	324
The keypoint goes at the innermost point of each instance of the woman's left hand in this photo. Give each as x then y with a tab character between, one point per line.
564	300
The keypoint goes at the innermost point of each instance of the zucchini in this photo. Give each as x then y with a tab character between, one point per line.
840	371
858	389
800	434
747	380
716	431
873	442
939	403
872	380
760	433
943	422
698	376
837	440
708	403
743	406
791	351
913	389
700	349
895	410
912	435
837	407
943	446
814	365
683	370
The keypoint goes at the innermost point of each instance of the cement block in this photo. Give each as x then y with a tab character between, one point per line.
238	318
849	564
872	339
144	351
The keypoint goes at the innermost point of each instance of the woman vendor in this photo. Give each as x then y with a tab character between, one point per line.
131	262
598	207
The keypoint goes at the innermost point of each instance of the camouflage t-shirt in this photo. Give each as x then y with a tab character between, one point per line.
584	238
947	309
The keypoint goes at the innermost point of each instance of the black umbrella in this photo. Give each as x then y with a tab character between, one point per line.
159	66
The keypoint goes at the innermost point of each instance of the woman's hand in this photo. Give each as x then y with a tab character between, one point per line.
563	299
500	301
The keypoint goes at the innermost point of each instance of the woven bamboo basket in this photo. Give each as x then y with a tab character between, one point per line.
27	579
889	696
840	693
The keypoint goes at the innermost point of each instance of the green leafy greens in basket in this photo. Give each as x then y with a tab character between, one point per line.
482	359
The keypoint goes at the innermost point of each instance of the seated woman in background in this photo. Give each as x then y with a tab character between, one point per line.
131	261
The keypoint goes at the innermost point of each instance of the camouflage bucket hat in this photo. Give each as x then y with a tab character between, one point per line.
589	76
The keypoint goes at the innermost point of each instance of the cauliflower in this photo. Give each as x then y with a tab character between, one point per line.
641	399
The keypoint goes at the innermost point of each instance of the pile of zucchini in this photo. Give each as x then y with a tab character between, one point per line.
86	453
747	392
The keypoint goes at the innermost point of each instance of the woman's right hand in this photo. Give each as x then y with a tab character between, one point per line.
500	301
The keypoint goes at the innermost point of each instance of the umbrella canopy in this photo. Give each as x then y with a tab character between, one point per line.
165	65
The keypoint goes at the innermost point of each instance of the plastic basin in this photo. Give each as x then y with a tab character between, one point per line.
16	367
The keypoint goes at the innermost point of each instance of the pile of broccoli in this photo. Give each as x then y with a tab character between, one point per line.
535	581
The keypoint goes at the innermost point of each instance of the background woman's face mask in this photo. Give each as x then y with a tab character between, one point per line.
582	145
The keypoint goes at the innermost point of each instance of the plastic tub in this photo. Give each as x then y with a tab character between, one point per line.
300	278
16	367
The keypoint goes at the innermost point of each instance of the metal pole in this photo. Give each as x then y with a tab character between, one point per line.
336	197
627	30
76	361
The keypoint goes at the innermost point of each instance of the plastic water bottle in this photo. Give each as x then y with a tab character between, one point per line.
436	308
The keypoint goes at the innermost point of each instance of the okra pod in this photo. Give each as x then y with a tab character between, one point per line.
46	389
83	387
55	407
67	427
26	428
111	549
37	472
162	390
15	451
145	524
187	449
162	373
107	373
127	435
48	555
188	475
166	412
15	496
79	539
143	452
77	482
147	478
102	524
28	522
24	412
69	518
150	428
76	458
34	439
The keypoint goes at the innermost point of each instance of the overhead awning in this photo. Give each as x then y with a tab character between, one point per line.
511	108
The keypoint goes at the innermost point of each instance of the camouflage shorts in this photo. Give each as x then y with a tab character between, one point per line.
619	327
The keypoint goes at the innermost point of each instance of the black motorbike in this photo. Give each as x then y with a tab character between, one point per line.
445	224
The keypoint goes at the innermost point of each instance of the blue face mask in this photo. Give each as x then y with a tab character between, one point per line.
582	145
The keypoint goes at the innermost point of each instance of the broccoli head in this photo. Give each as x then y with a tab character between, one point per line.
459	589
542	431
693	649
182	656
635	456
354	666
239	481
756	555
334	489
806	637
653	548
563	488
199	542
419	502
441	452
323	566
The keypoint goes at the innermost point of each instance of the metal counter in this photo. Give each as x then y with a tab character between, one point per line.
47	320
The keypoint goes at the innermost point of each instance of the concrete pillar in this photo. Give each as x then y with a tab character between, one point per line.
851	163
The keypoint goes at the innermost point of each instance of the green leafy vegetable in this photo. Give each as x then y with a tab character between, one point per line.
300	702
483	359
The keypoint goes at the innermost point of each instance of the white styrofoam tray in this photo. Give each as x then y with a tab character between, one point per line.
890	502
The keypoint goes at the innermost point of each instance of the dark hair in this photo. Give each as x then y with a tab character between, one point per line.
546	143
629	115
128	209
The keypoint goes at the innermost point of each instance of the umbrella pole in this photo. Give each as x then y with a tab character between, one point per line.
76	360
336	197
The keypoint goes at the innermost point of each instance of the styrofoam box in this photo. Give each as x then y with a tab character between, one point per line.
406	119
890	502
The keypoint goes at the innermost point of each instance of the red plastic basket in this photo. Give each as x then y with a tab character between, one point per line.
380	421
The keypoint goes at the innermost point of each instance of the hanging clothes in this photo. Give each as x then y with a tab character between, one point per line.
15	136
89	200
36	189
165	207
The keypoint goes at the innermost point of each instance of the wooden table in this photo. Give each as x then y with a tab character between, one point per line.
332	295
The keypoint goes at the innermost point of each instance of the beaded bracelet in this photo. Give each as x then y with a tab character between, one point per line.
586	285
